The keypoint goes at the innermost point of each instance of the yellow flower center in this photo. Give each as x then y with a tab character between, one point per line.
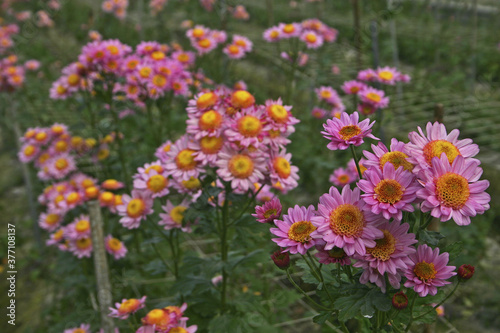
278	113
397	159
274	34
204	43
156	167
210	120
29	134
83	243
354	89
242	99
384	248
158	55
40	136
452	190
52	219
73	197
113	49
115	245
118	200
58	235
206	100
241	166
437	147
91	192
197	32
425	271
82	226
177	214
29	150
129	305
166	148
78	330
211	144
177	330
289	28
343	179
185	159
107	197
233	49
386	75
249	126
347	220
73	79
270	212
157	183
183	57
282	167
145	72
157	317
326	94
61	146
389	191
159	80
311	38
61	164
374	97
132	64
349	131
136	208
61	90
301	231
241	42
192	183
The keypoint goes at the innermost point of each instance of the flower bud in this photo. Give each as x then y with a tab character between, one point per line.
281	259
400	300
465	272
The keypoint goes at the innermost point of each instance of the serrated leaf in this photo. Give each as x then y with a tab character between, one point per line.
363	301
430	237
155	267
454	249
322	317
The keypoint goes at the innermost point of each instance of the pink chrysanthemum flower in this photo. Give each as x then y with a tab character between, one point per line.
366	109
381	155
342	221
312	39
204	45
198	32
281	171
290	30
319	113
327	94
208	123
374	97
241	169
78	229
161	152
453	190
233	51
295	230
49	221
347	131
389	255
367	75
154	182
187	58
279	116
243	42
332	256
56	238
269	211
84	328
246	128
28	153
135	208
423	148
115	247
60	166
427	271
389	192
272	34
265	194
387	75
174	216
81	247
341	177
127	307
182	164
353	87
207	149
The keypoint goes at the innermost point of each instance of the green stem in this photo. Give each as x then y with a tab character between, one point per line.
161	257
224	250
440	303
343	327
175	253
356	161
249	202
411	312
304	293
320	276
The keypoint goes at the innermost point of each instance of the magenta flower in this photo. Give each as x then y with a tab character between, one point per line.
453	191
282	171
78	229
115	247
341	177
174	216
422	148
135	208
181	163
389	255
295	230
127	307
388	75
427	271
381	155
84	328
332	256
269	211
342	221
312	39
389	192
346	131
367	75
352	87
374	97
81	247
272	34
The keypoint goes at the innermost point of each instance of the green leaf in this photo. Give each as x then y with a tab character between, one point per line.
228	323
454	249
361	301
430	237
322	317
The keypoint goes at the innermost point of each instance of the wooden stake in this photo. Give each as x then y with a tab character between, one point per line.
357	33
104	294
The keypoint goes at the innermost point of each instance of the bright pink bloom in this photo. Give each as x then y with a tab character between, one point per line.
318	112
295	230
181	164
367	75
353	87
135	208
78	229
127	307
115	247
341	177
174	216
332	256
269	211
381	155
81	247
346	131
246	128
387	75
312	39
281	170
454	190
374	97
84	328
427	271
342	221
272	34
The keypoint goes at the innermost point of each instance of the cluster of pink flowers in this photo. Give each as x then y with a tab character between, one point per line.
12	76
205	40
328	96
6	33
312	32
149	71
169	319
435	172
243	142
116	7
371	99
